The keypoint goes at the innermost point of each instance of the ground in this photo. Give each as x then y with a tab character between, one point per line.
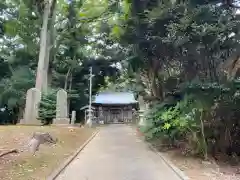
116	153
24	166
197	169
116	146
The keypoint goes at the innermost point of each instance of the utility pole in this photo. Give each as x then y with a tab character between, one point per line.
89	120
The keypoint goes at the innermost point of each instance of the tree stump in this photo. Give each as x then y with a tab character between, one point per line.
39	138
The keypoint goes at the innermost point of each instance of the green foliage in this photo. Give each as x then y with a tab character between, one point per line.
177	123
171	120
14	88
164	47
198	119
183	47
47	106
75	44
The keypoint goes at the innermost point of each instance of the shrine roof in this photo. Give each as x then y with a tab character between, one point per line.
120	98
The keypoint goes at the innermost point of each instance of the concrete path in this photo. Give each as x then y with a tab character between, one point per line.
117	154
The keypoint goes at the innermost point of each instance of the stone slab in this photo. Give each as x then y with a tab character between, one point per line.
73	118
62	104
33	99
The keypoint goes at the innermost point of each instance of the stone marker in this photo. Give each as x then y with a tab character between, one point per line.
61	108
73	118
33	99
89	118
142	110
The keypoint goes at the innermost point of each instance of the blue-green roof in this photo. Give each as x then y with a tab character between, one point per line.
115	98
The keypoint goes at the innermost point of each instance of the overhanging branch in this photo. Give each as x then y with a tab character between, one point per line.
229	3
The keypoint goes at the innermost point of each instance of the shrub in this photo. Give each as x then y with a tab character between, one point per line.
47	107
206	119
181	122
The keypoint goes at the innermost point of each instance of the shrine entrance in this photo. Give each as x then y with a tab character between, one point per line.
116	107
116	115
110	114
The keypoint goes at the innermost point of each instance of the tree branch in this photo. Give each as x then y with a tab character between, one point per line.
8	152
229	3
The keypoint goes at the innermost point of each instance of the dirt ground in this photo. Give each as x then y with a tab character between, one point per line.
197	169
24	166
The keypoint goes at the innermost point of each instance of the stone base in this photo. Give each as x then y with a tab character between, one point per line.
61	121
34	122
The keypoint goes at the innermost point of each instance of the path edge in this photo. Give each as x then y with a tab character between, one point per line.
178	172
175	169
60	168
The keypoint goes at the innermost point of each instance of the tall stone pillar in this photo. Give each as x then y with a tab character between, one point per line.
142	111
61	108
73	118
33	99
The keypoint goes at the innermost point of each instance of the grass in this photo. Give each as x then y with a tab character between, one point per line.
24	166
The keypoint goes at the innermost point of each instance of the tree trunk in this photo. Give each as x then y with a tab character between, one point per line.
46	64
52	45
144	79
156	86
46	44
70	88
43	48
20	113
67	78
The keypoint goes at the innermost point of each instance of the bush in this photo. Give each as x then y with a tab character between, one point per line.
200	119
47	107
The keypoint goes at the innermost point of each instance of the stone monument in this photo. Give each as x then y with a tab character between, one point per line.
33	99
142	108
73	118
61	108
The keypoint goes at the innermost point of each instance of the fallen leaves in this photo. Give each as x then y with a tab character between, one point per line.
23	165
197	169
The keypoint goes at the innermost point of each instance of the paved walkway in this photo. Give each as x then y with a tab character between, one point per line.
117	154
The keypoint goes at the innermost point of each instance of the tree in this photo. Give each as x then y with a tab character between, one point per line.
47	107
68	49
175	39
13	89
